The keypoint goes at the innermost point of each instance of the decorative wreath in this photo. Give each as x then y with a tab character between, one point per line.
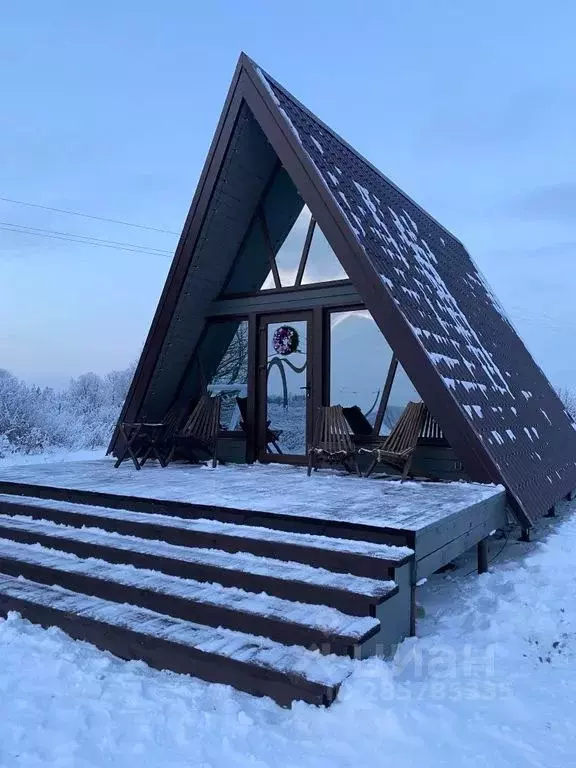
285	340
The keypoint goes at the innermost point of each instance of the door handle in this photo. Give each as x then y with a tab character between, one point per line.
307	388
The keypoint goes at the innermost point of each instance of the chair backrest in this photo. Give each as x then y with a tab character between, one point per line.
271	436
431	429
243	408
331	432
358	423
404	436
174	417
204	421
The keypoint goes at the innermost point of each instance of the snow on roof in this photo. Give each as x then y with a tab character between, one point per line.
448	304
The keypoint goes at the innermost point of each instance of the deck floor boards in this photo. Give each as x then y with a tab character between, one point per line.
274	489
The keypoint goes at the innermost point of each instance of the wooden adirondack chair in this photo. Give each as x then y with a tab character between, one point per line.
431	429
145	440
332	442
200	431
159	438
398	448
272	435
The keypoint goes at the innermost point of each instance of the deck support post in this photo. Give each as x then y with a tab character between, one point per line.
525	534
551	512
413	598
482	550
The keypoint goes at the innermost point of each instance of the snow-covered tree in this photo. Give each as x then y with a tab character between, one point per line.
568	397
81	416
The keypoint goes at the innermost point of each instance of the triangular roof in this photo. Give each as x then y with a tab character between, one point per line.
494	404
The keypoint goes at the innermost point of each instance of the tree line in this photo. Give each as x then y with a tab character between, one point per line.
35	419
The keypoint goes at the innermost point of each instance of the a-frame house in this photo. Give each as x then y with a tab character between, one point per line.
270	159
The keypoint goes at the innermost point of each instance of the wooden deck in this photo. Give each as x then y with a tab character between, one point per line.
271	560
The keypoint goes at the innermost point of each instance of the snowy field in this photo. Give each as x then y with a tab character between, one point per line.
491	681
51	457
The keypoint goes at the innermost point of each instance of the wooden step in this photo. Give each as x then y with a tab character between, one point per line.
298	582
250	663
285	522
362	558
211	604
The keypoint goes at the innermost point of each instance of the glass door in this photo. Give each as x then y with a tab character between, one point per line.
284	387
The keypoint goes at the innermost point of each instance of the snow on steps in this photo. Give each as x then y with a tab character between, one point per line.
272	591
211	604
292	581
363	558
253	664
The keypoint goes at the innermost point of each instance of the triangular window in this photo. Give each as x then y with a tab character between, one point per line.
290	254
304	258
322	263
284	247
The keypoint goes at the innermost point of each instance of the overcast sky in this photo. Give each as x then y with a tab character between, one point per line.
108	108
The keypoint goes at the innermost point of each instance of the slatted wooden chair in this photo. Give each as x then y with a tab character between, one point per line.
332	443
144	440
398	448
431	429
272	435
200	431
159	437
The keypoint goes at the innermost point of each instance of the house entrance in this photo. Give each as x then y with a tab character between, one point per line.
284	389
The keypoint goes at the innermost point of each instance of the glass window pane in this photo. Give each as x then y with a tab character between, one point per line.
290	253
282	209
359	361
322	264
224	361
402	392
286	382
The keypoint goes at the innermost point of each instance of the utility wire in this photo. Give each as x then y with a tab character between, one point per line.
86	215
42	230
78	239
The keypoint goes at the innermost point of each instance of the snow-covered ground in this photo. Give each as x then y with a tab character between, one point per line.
51	457
491	681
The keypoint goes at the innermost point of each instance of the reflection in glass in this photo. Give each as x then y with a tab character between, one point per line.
286	384
402	392
359	361
224	359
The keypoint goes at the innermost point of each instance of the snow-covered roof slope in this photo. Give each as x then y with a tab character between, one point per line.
500	404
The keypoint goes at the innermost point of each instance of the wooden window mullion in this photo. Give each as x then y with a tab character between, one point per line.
385	395
271	256
305	252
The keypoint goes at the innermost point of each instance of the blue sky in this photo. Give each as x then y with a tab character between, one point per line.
109	108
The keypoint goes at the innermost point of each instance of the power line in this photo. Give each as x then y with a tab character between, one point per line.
42	230
86	215
78	239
